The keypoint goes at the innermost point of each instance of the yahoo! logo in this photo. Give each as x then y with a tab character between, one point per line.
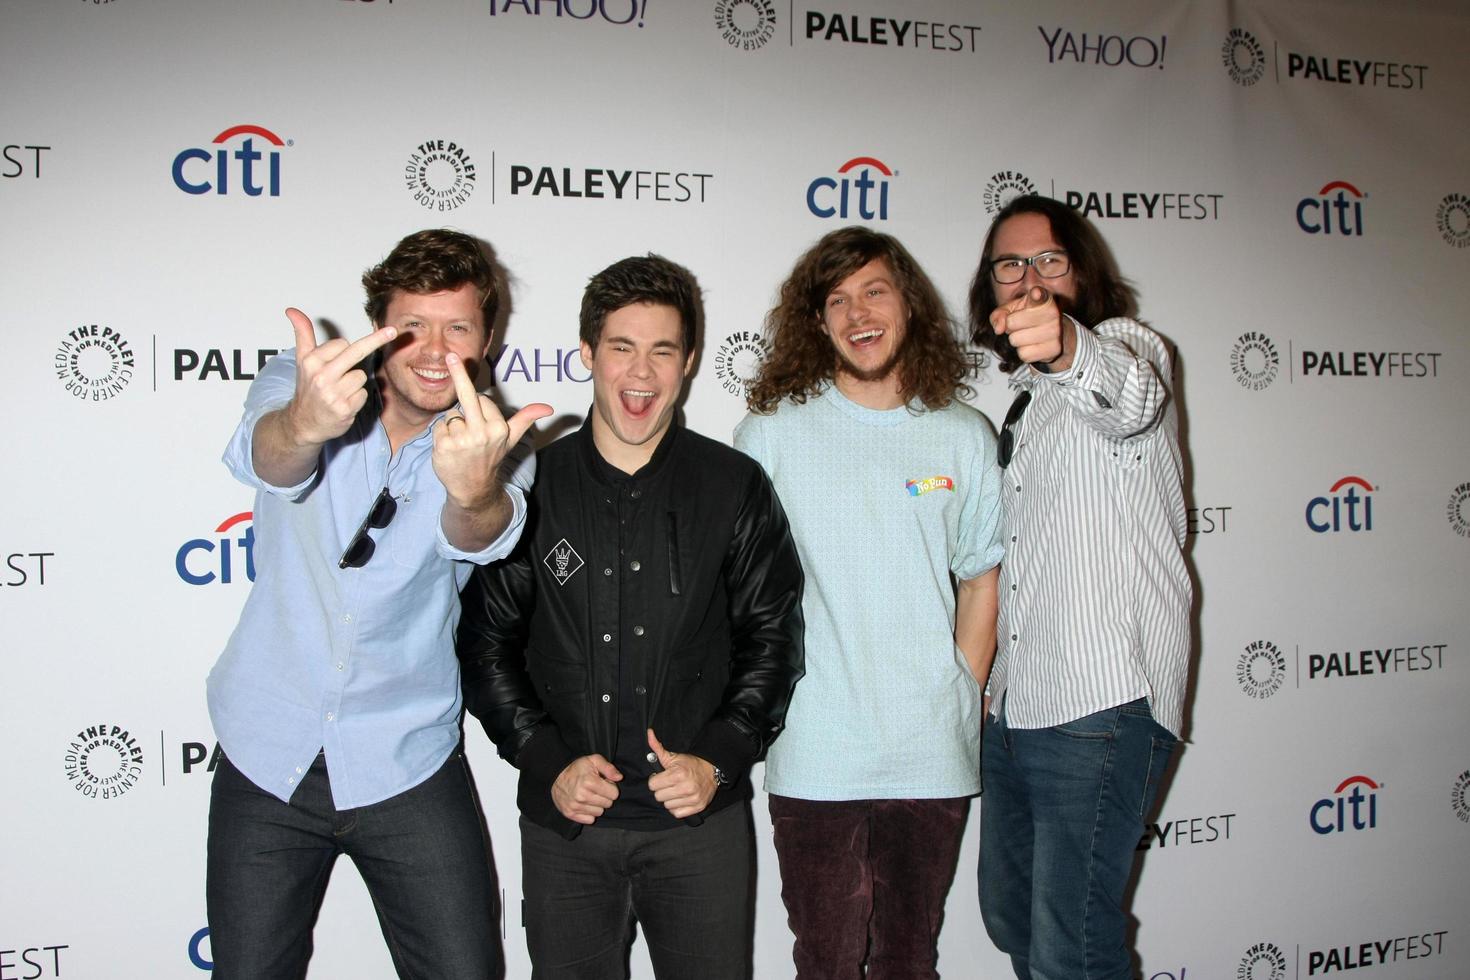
221	569
1342	511
1321	214
196	179
856	175
1338	813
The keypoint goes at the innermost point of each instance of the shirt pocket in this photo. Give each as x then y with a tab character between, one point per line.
413	536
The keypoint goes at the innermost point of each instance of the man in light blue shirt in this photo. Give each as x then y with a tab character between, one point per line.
891	486
337	699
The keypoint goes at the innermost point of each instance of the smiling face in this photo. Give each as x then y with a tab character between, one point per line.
414	378
638	372
866	319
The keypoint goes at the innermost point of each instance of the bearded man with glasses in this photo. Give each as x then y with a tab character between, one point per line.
1086	692
337	699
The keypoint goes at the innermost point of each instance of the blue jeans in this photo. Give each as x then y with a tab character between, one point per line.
689	888
422	855
1062	812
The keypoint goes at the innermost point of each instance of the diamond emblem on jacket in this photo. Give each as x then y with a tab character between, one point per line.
563	561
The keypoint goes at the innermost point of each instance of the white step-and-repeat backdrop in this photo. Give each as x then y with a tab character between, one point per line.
1287	184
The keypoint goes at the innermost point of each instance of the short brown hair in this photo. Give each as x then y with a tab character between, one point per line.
432	261
647	278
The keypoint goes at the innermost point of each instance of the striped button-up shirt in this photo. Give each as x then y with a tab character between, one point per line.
1095	598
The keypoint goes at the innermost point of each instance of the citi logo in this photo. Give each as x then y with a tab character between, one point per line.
1357	810
859	190
1345	509
1329	213
192	172
193	561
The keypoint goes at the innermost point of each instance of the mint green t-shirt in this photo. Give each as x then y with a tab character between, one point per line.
884	506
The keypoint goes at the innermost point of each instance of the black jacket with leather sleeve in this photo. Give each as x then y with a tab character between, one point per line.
684	574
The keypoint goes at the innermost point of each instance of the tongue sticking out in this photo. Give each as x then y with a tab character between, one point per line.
637	403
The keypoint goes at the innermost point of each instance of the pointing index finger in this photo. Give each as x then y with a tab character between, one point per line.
359	349
469	398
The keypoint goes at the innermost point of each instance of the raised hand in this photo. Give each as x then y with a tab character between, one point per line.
471	441
1036	328
330	386
687	782
586	788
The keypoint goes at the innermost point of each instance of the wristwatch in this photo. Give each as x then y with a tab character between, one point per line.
720	778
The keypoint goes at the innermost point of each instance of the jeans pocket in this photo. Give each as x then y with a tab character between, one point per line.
1160	749
1100	725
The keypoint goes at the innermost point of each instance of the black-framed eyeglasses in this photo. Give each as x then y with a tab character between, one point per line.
1008	429
1048	265
360	549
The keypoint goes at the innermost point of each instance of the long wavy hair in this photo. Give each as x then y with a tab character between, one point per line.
1102	292
801	360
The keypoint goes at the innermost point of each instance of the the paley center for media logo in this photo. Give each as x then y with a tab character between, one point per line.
95	362
747	25
440	174
103	761
1254	360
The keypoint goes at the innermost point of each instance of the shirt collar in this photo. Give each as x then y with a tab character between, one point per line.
605	472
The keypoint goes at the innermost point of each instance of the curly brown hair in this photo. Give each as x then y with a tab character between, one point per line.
801	361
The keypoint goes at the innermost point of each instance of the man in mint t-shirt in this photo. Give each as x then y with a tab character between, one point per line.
893	494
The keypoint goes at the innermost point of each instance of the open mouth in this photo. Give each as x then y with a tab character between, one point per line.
865	338
637	403
432	376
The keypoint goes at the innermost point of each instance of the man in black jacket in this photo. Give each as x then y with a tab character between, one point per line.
635	655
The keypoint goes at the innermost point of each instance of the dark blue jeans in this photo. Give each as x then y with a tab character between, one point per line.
689	888
1061	815
422	855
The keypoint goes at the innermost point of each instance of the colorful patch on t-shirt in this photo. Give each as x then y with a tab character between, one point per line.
919	487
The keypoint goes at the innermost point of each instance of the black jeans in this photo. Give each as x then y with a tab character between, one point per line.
422	855
688	887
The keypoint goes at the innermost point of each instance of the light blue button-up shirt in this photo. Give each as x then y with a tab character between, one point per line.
358	662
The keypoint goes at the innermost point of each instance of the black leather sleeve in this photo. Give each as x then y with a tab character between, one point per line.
763	579
497	603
